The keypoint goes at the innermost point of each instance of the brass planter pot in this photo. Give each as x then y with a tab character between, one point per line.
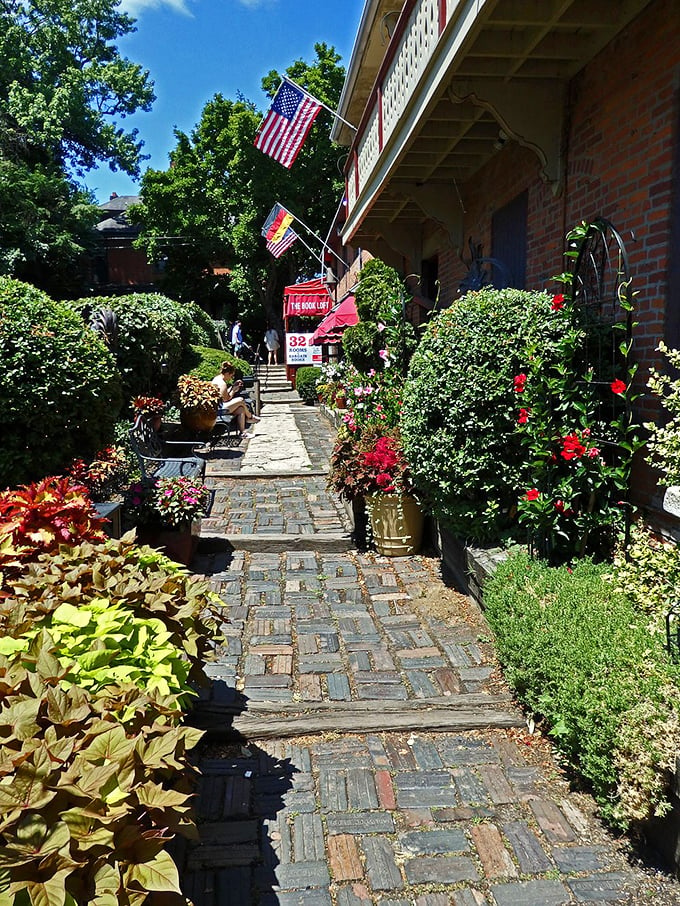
396	524
198	418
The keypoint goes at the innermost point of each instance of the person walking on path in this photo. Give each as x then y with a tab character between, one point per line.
236	336
271	341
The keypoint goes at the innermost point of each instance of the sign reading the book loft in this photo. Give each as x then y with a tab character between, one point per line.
299	350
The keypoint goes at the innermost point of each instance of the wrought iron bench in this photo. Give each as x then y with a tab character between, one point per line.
155	456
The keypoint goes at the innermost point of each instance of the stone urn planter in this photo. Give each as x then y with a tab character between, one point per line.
198	419
396	522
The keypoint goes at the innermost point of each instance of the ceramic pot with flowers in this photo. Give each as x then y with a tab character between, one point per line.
167	514
198	401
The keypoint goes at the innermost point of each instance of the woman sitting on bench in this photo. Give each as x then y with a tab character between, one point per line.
232	404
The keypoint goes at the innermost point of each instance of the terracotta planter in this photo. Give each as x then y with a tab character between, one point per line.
396	524
177	543
340	402
156	423
198	419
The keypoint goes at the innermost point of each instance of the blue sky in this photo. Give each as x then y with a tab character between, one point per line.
194	49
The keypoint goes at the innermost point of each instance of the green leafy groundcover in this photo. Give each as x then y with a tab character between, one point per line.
581	656
205	362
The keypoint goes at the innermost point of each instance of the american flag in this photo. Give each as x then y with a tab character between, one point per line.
278	248
286	126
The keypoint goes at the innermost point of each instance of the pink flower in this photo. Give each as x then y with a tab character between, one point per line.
384	354
169	492
532	494
358	391
519	382
557	302
593	452
618	386
136	500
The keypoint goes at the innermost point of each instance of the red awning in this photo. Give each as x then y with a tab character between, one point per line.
310	299
331	328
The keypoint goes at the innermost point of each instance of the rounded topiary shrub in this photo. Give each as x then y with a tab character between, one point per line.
306	379
460	406
60	391
205	362
153	335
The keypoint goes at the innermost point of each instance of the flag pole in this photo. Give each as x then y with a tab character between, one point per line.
317	237
320	103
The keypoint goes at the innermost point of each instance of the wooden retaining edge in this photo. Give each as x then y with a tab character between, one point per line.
331	542
270	720
263	726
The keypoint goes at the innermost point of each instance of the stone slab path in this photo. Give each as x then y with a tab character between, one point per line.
363	748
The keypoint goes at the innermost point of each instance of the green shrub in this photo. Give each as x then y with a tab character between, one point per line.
205	362
60	392
579	655
153	334
460	411
361	344
306	379
202	328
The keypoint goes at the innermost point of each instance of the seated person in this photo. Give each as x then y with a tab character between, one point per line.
231	402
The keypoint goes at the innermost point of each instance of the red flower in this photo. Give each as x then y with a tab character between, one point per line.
572	448
519	382
523	416
532	494
618	386
557	302
559	506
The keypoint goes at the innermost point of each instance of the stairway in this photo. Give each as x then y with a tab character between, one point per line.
273	379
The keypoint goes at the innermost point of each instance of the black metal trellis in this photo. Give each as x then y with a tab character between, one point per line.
601	292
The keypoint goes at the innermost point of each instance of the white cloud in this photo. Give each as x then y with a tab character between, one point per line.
135	7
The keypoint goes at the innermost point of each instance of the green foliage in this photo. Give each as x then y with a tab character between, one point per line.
101	644
459	414
648	572
382	334
579	655
664	443
306	379
202	328
220	188
138	578
92	786
361	344
63	87
205	362
154	333
60	392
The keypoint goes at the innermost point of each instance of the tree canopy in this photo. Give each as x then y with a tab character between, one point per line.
63	88
209	207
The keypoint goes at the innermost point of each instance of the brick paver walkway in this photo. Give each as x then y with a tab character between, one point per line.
380	760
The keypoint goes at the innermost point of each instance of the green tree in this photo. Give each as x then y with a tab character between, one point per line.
215	196
63	88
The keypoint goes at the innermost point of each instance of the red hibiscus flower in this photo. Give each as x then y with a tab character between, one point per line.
532	494
557	302
523	416
519	382
618	386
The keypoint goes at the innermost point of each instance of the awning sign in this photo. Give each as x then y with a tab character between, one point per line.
299	350
309	306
